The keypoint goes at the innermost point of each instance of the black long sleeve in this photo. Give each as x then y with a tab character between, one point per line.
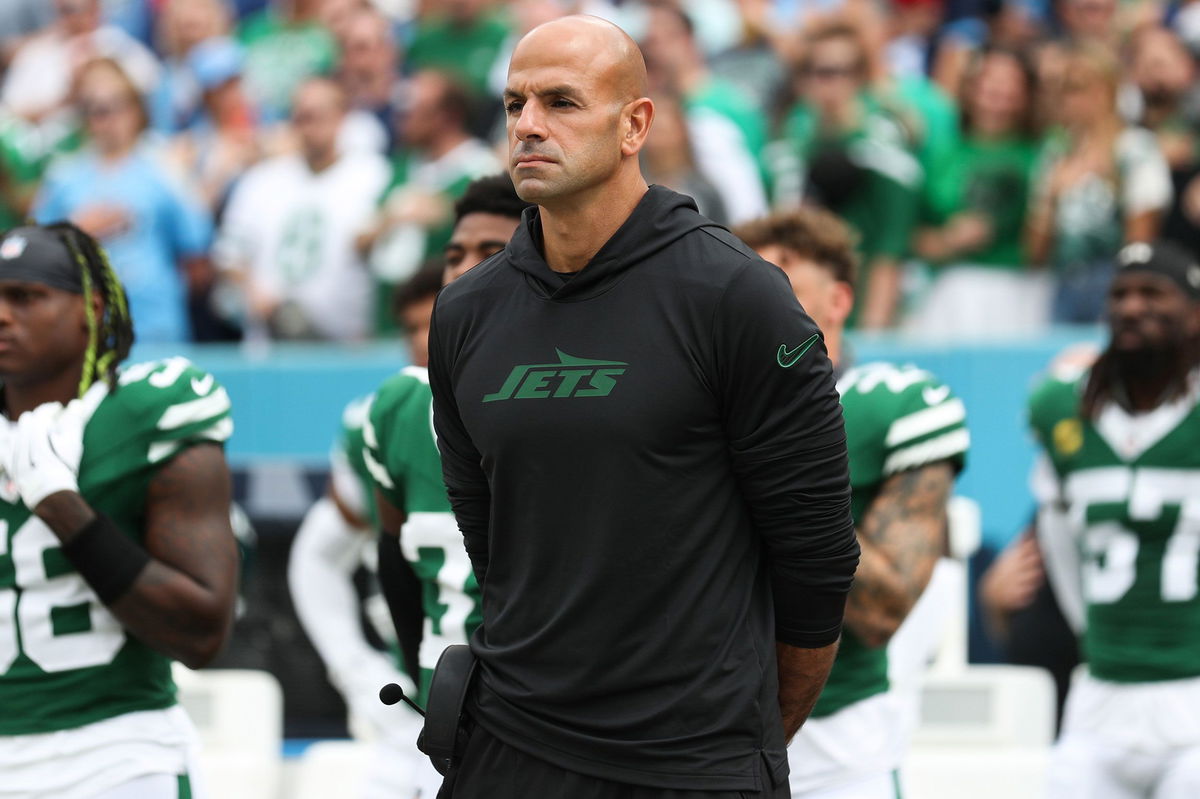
401	590
788	446
466	484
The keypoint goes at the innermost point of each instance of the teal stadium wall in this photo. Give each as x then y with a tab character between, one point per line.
287	402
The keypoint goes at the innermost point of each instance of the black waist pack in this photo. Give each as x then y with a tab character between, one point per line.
444	736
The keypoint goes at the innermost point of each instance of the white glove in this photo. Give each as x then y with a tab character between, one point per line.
8	489
44	450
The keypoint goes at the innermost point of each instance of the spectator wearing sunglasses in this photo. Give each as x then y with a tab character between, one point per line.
847	149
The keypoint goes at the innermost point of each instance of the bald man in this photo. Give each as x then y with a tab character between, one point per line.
643	448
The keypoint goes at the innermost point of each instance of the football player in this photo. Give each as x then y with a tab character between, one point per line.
116	553
402	455
338	530
1118	485
907	442
335	539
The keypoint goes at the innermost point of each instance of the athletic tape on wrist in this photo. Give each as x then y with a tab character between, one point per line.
107	558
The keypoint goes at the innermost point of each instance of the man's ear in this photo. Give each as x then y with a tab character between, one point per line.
841	301
638	116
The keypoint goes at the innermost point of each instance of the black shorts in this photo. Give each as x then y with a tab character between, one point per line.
491	769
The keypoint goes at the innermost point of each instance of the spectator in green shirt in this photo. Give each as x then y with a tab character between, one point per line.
437	157
899	36
285	44
975	210
846	149
462	38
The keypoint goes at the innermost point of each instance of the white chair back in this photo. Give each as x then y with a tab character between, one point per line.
987	705
984	732
239	715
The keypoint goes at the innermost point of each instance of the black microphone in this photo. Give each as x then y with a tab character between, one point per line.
391	693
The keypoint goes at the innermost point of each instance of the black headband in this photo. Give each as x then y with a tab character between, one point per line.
1162	258
37	255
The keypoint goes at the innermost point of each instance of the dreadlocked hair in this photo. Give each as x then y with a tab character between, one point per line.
1103	377
111	335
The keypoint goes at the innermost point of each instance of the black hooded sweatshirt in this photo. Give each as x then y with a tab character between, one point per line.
648	465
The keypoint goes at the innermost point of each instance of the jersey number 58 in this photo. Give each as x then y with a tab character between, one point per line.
51	615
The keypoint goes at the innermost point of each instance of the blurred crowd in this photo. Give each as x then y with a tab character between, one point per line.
271	169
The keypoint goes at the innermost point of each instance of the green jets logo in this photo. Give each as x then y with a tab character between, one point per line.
570	377
788	358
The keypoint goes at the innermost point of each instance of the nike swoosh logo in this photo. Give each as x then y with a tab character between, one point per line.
935	395
788	358
202	385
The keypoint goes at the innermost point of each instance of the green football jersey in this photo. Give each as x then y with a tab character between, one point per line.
65	661
402	457
352	479
1130	485
897	418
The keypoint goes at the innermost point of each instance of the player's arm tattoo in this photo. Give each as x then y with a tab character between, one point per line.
902	536
182	602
